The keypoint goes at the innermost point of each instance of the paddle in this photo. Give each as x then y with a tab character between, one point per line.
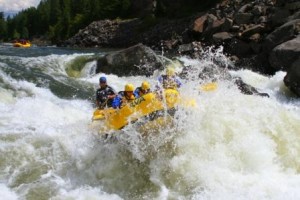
99	113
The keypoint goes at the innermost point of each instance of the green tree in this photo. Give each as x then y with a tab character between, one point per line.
25	33
3	30
55	11
62	27
16	34
60	19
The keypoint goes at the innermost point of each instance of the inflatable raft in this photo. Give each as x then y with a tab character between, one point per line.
145	106
24	45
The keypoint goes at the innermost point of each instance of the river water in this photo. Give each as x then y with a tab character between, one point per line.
230	146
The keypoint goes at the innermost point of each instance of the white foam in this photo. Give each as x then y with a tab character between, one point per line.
230	146
85	193
7	193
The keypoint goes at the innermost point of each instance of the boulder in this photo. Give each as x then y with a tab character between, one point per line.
279	16
296	15
199	24
243	18
282	34
248	89
135	60
293	5
239	48
222	36
192	49
292	78
107	33
252	30
283	56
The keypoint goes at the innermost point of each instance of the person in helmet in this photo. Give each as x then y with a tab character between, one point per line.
143	89
105	94
124	97
169	80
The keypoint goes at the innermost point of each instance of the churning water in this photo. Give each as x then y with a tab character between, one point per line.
230	146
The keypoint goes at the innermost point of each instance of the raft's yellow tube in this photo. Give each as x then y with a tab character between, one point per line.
140	107
26	45
115	119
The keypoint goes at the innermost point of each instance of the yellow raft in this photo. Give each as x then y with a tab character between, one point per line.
24	45
115	119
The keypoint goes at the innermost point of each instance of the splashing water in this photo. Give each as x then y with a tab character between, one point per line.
230	146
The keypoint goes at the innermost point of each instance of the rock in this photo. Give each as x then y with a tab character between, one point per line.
192	49
292	78
248	89
247	29
256	47
296	15
107	33
262	19
257	62
212	25
135	60
243	18
253	30
258	10
283	56
222	36
185	48
239	47
293	6
279	17
245	8
282	34
199	24
255	37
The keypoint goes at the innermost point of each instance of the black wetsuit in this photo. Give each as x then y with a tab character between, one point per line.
102	96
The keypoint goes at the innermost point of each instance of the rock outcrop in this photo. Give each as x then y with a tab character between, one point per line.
285	55
136	60
261	34
292	79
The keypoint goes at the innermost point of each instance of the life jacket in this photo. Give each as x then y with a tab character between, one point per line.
138	92
121	100
102	94
126	99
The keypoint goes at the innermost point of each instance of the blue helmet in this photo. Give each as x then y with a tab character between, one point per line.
102	79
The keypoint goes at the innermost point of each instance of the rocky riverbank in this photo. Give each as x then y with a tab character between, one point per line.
262	35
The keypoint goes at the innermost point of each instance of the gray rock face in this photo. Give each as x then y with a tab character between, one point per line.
292	79
136	60
243	18
259	33
222	36
283	56
282	34
106	33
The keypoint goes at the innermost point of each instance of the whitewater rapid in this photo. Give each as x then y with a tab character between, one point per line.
230	146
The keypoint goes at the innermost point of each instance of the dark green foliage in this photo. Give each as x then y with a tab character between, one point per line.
3	30
58	20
